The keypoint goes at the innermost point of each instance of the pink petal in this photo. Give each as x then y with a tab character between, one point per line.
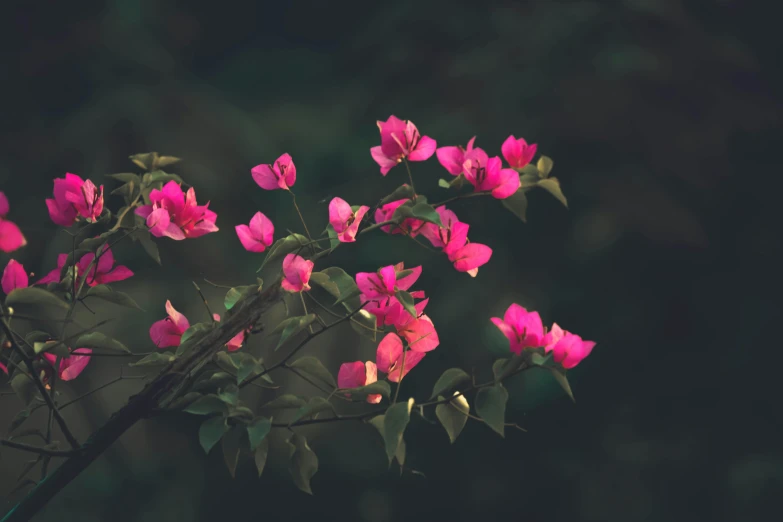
451	158
349	234
63	216
551	338
11	237
164	333
339	214
424	149
351	375
507	184
179	320
173	195
471	256
247	239
120	273
71	367
106	260
420	334
158	222
404	283
14	276
510	334
393	131
3	368
4	206
382	160
457	238
388	278
286	165
296	271
579	350
236	342
205	226
264	177
411	360
174	232
370	285
389	350
262	228
474	160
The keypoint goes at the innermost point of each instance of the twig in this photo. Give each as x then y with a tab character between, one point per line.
41	451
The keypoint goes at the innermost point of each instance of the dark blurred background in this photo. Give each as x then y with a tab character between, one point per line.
662	118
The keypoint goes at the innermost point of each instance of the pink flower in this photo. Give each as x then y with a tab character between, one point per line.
383	284
523	329
400	139
409	226
296	272
238	340
14	276
103	272
357	374
11	237
344	220
568	349
281	175
258	236
168	332
389	358
74	197
452	237
3	368
486	174
70	367
176	214
452	157
517	152
418	331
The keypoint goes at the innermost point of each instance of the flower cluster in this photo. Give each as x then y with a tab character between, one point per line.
175	214
74	198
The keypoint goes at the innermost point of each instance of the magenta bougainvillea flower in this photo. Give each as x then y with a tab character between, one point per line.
523	329
175	214
168	332
296	273
11	237
453	157
238	340
14	276
487	174
400	139
356	374
389	357
101	273
70	367
567	348
409	226
74	197
418	331
452	238
517	152
345	220
378	289
258	235
281	175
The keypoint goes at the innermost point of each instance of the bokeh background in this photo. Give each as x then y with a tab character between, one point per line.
664	123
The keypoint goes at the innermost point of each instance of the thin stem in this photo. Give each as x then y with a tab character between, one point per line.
402	375
206	304
410	176
462	196
378	225
36	449
304	307
301	217
101	387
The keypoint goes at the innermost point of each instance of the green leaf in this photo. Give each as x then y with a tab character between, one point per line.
154	359
292	326
334	241
24	388
93	244
164	161
34	297
375	388
229	394
491	406
158	178
544	166
406	300
231	444
282	247
260	454
453	415
509	365
257	431
418	210
517	204
497	367
213	382
241	413
211	431
97	340
36	336
149	246
561	379
126	177
285	402
54	347
18	420
311	365
365	323
243	363
106	293
442	183
191	335
339	284
402	192
207	405
448	380
144	160
314	406
394	424
552	185
234	295
304	462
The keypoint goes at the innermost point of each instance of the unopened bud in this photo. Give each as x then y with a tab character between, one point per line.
6	345
10	311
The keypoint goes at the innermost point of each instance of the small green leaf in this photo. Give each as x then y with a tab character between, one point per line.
212	382
544	166
36	336
510	365
285	402
154	359
238	293
314	406
106	293
394	424
418	210
211	431
402	192
54	347
144	160
97	340
339	284
561	379
164	161
24	388
149	246
231	443
491	406
450	379
442	183
34	297
313	366
552	185
229	394
517	204
375	388
257	431
498	365
453	415
94	244
304	462
260	454
366	324
126	177
334	241
292	326
282	247
207	405
406	300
